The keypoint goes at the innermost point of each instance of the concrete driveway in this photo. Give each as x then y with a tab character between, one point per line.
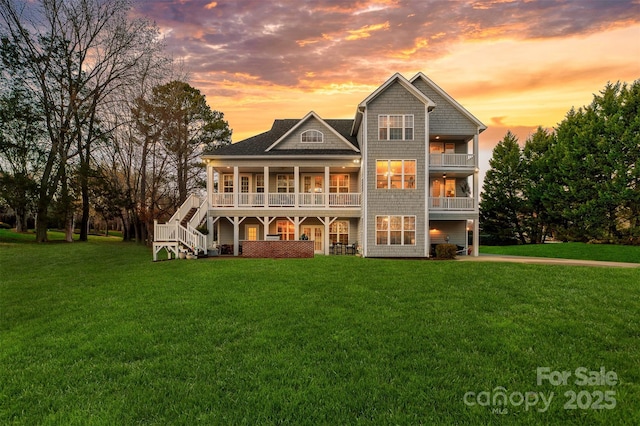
545	261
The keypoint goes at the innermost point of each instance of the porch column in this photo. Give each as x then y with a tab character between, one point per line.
236	233
476	199
476	237
209	182
326	186
236	186
326	235
266	190
296	227
296	185
265	226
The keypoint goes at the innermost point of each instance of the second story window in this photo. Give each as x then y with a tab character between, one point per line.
396	174
311	136
259	183
395	127
285	183
227	183
339	183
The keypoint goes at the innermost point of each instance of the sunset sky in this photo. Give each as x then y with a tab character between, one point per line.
513	64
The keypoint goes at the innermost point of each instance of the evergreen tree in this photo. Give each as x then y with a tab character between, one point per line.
502	202
538	185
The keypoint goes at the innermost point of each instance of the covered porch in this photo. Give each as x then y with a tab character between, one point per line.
331	235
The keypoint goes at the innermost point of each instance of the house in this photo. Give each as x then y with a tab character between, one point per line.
398	179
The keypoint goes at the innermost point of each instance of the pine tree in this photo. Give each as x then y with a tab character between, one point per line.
502	203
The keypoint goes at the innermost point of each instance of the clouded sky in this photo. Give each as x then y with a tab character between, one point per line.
513	64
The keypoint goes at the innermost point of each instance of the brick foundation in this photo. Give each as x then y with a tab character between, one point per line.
277	249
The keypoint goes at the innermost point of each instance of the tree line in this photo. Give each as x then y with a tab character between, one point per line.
577	182
95	118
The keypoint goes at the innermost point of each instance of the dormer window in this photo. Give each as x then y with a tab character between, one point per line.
311	136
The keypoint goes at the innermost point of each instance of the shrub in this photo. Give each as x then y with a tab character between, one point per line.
446	251
4	225
203	229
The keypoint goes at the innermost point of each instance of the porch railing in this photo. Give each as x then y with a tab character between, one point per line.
348	199
282	199
189	236
452	160
303	199
451	203
165	232
251	199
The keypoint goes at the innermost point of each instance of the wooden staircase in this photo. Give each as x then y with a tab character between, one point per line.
180	233
188	216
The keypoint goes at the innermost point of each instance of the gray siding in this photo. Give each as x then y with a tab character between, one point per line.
331	140
402	202
445	119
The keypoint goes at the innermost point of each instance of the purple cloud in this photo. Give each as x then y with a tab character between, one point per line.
281	42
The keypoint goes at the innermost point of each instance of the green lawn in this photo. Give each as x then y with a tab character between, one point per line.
96	333
606	252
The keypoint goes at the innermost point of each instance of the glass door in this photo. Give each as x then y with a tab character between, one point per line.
314	233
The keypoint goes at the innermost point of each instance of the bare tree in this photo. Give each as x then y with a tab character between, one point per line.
73	55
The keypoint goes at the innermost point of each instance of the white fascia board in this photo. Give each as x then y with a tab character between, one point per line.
324	123
438	89
405	83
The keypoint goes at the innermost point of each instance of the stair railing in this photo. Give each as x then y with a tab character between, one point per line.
191	202
200	214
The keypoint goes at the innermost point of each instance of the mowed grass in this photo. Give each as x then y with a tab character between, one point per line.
96	333
604	252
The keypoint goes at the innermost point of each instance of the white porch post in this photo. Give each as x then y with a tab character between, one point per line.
326	186
296	227
326	235
476	199
236	235
265	225
296	185
209	181
266	190
236	186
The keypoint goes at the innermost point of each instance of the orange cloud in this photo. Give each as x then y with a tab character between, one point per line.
366	31
211	5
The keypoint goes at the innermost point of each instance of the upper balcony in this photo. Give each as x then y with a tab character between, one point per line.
441	161
289	200
451	204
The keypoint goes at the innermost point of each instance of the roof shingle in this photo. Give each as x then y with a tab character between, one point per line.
257	145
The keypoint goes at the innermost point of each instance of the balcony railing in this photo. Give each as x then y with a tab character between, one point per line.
451	203
304	200
452	160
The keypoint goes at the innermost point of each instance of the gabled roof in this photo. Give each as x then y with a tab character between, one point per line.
397	77
258	145
449	99
307	117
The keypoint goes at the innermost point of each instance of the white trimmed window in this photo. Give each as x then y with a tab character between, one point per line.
227	183
395	127
339	183
396	174
339	232
396	230
311	136
285	229
259	183
285	183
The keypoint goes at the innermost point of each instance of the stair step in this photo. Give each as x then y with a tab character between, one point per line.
188	216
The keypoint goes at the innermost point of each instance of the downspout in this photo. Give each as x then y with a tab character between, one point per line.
365	187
